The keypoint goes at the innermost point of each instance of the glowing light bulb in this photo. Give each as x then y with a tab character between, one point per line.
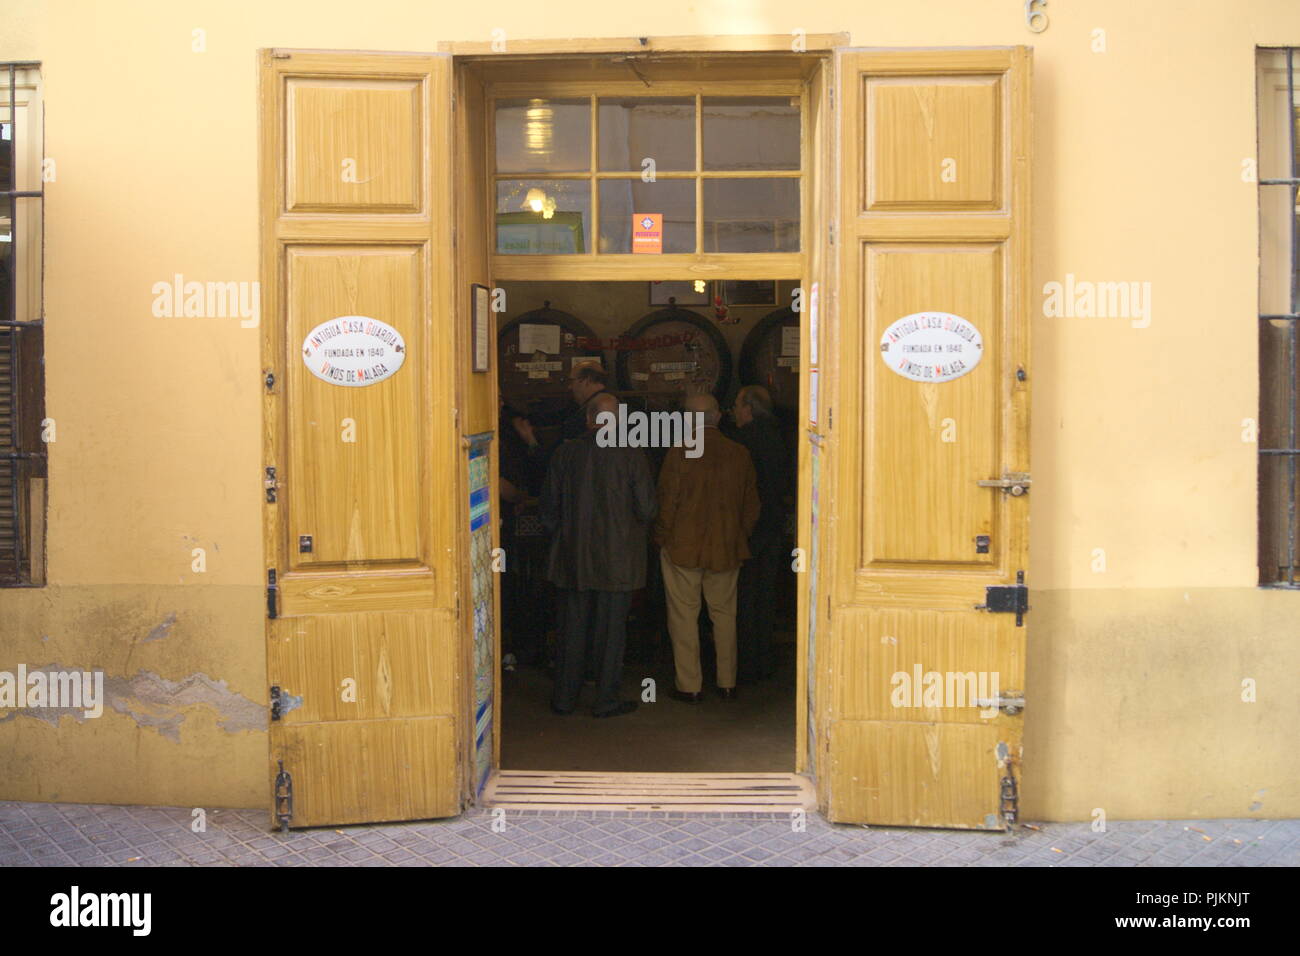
539	128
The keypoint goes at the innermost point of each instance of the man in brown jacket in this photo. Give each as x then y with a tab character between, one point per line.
707	508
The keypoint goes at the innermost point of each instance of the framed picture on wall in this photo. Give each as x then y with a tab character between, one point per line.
481	335
682	290
749	292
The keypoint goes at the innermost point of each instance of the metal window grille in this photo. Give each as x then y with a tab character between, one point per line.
22	399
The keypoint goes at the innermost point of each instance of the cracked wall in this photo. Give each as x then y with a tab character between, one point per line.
183	717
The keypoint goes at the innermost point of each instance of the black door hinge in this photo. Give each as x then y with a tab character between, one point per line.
1008	599
269	484
283	798
272	592
270	381
276	712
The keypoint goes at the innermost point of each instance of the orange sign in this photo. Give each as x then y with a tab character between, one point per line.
648	232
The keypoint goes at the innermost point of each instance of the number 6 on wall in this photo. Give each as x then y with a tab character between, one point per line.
1036	20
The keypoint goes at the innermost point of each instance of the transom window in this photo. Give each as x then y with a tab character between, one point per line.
665	174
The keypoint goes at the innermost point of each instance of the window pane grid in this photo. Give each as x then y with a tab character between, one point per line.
610	120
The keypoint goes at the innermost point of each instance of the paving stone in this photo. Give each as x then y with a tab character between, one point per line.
65	834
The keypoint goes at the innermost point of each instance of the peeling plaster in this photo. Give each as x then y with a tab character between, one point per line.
289	702
160	632
154	701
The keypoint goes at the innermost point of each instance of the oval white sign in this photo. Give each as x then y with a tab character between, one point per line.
353	350
931	346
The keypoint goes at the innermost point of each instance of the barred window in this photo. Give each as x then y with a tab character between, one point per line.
23	425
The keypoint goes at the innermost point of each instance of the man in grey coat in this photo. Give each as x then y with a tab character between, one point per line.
598	503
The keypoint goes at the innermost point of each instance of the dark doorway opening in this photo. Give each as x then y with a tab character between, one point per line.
656	348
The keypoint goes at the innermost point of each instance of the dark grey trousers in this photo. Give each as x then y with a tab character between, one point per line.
600	616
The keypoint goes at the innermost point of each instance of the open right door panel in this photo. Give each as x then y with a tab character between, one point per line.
923	665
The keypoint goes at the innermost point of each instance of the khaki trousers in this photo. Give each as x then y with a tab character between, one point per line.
682	586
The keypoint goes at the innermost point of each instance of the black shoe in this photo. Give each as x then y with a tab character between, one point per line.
559	712
624	708
727	693
686	698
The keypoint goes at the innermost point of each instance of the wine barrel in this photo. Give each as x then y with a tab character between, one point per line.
672	353
763	359
539	380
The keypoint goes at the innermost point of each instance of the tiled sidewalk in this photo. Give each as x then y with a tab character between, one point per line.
41	834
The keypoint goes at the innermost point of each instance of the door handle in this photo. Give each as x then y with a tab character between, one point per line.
1014	483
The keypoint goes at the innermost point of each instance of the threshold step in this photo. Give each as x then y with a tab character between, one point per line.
679	792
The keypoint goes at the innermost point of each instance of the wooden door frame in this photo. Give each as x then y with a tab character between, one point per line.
815	265
506	48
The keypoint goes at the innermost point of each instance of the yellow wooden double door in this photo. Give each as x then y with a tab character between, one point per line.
923	171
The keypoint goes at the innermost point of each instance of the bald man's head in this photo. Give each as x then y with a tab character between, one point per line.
600	402
707	405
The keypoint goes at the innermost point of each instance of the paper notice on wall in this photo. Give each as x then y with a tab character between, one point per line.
790	340
673	366
539	338
640	376
787	361
648	232
595	360
539	374
674	376
539	366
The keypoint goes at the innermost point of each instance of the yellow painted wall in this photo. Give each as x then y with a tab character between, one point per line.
1134	671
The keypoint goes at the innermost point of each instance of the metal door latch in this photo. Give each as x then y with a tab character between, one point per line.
1007	599
272	593
1010	702
1009	798
283	798
1013	483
